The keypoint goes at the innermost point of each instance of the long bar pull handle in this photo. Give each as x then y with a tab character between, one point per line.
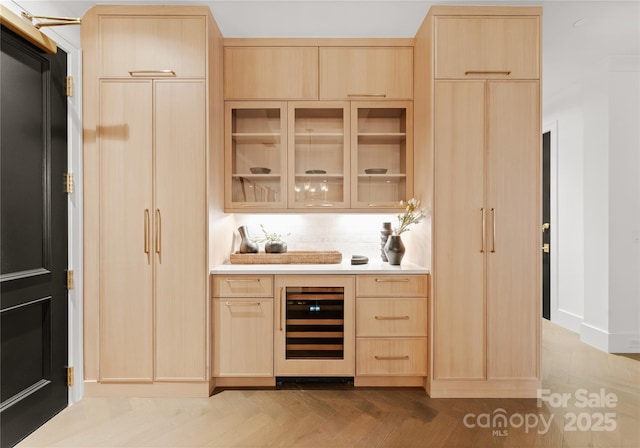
391	280
367	95
391	317
493	219
241	280
152	73
242	303
280	314
484	230
488	72
391	358
159	234
147	243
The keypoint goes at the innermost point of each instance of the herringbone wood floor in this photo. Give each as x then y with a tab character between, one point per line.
340	416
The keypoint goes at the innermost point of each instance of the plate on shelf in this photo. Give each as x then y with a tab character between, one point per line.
315	172
259	170
375	170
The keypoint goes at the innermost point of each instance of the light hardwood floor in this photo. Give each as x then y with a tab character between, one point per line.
340	416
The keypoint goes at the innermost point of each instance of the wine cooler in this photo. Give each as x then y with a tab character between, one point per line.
315	321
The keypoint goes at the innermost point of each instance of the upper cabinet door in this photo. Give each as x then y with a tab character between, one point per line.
366	73
318	155
487	47
152	47
271	73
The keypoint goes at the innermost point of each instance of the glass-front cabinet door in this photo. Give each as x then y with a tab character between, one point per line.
255	158
381	154
318	155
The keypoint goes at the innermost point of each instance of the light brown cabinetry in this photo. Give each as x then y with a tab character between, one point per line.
318	155
139	45
255	155
468	47
271	73
366	73
391	329
243	325
145	166
381	153
486	250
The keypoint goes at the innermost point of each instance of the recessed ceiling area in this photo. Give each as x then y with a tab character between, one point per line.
579	37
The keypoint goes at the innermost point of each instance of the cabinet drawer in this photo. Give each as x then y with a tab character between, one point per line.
487	47
391	285
356	73
242	286
259	73
391	356
152	44
391	317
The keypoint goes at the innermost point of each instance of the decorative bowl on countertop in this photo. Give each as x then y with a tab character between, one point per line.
375	170
259	170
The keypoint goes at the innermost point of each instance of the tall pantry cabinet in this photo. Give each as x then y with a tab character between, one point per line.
484	95
146	138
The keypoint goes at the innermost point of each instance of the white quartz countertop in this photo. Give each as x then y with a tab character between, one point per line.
373	267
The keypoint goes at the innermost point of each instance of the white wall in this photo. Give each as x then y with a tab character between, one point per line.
598	207
624	202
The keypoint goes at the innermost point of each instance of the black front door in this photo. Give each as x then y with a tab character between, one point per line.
33	237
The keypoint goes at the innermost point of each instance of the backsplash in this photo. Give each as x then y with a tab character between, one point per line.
351	234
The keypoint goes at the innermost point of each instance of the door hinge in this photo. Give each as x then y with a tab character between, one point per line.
69	279
69	376
69	86
68	183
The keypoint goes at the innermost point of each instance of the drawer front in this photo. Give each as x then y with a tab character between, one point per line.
392	286
242	286
391	317
391	356
487	47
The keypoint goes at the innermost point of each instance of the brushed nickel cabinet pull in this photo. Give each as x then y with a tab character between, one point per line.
242	303
484	230
391	358
392	317
367	95
488	72
152	73
147	243
159	234
391	280
381	206
493	219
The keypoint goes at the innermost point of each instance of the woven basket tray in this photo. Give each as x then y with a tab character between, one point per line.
293	257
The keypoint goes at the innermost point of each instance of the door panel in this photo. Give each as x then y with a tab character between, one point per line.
180	218
458	250
126	293
33	215
513	198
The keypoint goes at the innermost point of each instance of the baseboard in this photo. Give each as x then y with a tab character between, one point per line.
594	336
567	320
388	381
624	342
147	390
516	388
235	381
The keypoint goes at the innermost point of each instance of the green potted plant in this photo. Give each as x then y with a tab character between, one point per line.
274	243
